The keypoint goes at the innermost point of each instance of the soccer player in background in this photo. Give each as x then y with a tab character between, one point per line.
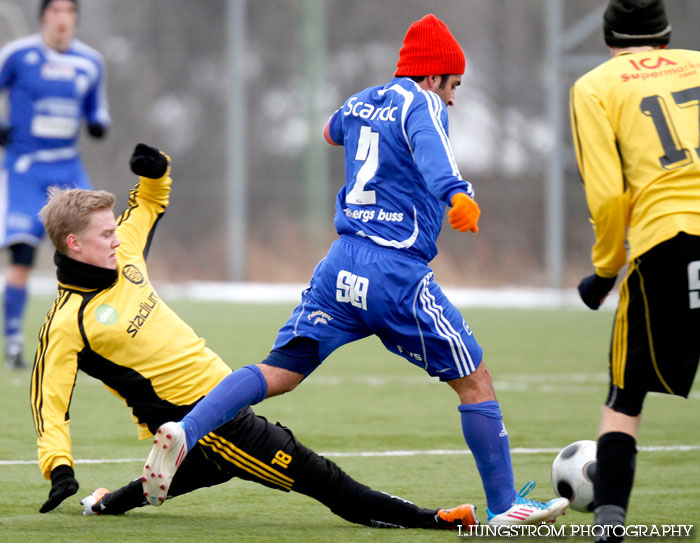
54	83
635	130
400	175
109	322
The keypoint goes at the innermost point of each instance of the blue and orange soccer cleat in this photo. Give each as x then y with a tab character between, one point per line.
462	515
168	452
525	511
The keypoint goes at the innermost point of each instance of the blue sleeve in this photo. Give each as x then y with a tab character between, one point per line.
426	126
6	69
335	127
6	75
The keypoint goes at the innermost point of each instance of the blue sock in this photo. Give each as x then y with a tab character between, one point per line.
14	302
486	436
244	387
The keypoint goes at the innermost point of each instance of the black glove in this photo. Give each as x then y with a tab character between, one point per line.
594	288
63	485
97	130
148	162
4	134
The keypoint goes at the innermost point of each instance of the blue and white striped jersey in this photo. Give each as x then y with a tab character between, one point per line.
399	167
51	93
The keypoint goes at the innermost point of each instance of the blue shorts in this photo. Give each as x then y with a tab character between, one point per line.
23	190
361	289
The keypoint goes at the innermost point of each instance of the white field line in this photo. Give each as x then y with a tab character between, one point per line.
553	383
372	454
564	383
275	293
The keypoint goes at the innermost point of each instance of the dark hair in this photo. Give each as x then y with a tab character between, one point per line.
419	78
44	4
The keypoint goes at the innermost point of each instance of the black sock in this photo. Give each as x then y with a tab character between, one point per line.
363	505
121	500
322	479
614	475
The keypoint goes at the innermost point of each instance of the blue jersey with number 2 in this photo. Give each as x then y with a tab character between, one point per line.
399	167
375	279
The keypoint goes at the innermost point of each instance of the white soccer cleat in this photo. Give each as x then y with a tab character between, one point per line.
88	501
525	511
168	452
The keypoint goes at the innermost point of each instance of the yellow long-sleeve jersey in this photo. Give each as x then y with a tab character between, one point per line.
114	326
635	122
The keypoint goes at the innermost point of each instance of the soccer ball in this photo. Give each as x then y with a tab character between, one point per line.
572	474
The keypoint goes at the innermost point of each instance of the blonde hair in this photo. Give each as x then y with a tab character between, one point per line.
68	211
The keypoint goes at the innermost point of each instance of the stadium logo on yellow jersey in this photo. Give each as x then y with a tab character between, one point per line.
133	274
143	313
106	314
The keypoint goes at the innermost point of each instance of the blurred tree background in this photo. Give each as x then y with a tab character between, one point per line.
167	83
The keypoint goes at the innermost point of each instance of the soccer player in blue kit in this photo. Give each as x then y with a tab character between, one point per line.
54	83
400	175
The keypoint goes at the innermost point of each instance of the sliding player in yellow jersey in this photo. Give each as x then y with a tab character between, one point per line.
637	138
109	322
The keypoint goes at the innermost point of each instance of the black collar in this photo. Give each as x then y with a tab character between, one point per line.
79	274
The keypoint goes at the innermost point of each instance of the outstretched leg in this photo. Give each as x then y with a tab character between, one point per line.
323	480
487	438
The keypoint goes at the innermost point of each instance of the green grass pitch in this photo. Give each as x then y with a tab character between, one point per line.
549	370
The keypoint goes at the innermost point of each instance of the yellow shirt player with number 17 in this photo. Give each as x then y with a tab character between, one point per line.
636	130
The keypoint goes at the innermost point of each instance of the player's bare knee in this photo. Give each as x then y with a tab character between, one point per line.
615	421
476	387
17	275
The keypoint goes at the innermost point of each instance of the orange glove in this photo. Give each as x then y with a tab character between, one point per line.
464	213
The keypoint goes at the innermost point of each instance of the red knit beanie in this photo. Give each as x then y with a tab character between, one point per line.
429	48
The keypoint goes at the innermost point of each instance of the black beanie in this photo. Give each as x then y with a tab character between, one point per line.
45	3
628	23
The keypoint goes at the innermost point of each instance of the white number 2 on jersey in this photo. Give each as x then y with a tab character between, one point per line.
368	151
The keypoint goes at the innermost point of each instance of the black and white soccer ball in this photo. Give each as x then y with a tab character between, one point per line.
572	474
